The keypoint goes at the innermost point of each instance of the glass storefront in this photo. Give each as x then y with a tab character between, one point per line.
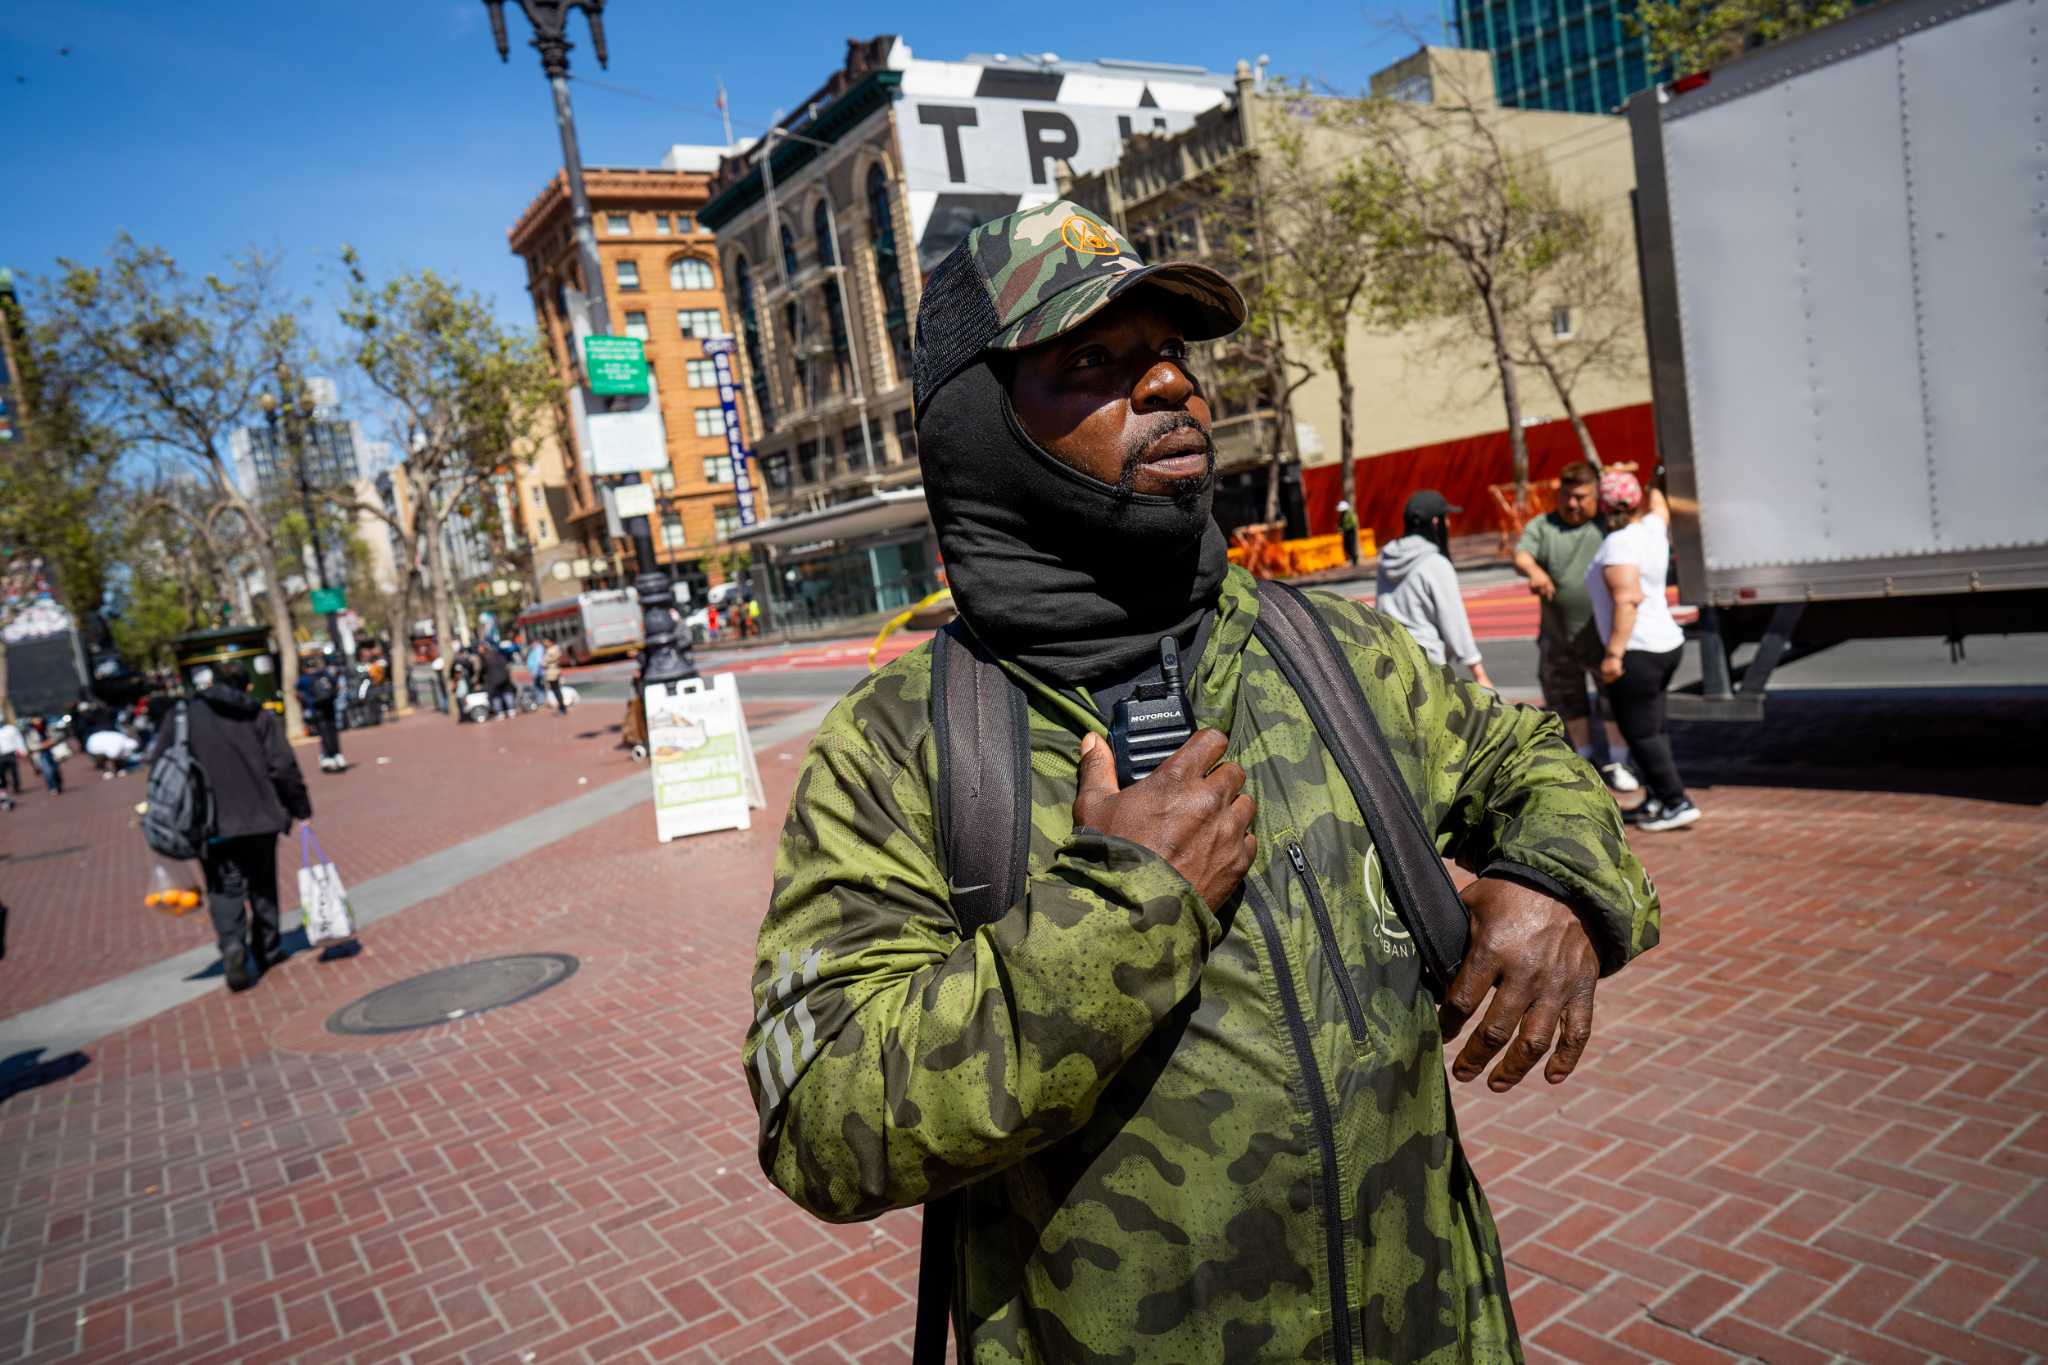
846	581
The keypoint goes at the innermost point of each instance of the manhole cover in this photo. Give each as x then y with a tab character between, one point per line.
453	993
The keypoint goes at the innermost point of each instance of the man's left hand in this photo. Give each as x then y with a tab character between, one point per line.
1530	950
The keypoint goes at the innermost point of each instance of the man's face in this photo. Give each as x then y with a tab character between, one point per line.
1114	398
1576	503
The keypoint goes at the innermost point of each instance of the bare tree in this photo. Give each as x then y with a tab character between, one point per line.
179	363
1593	287
466	400
1467	227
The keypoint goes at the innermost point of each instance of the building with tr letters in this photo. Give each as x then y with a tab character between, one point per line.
825	227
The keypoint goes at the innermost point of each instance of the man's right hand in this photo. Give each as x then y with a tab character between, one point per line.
1191	811
1541	583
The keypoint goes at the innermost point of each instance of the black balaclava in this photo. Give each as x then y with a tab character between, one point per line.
1052	567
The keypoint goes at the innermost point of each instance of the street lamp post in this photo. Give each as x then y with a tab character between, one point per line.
291	405
666	657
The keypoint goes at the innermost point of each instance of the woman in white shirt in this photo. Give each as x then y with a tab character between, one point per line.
1626	583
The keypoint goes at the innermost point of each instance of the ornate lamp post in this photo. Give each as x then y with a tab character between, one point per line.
666	658
292	404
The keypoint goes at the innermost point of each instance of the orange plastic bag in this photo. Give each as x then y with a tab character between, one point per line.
172	892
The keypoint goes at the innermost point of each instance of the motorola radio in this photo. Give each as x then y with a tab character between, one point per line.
1146	728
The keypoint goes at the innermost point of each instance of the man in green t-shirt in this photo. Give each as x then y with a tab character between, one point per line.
1555	551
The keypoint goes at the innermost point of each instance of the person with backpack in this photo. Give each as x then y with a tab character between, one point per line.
319	691
1164	1054
256	790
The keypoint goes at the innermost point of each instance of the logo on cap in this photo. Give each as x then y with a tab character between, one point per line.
1085	237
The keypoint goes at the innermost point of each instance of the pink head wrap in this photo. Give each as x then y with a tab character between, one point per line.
1620	491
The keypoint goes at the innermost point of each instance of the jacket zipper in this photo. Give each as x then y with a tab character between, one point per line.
1353	1015
1326	1132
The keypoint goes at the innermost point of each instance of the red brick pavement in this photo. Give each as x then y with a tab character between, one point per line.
1812	1127
74	867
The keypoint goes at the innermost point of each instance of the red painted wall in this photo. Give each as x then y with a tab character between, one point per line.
1463	469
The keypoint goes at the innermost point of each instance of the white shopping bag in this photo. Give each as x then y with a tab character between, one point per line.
323	903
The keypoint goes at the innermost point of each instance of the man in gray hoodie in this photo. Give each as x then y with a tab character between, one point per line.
1419	588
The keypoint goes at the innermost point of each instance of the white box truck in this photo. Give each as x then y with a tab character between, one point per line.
1844	249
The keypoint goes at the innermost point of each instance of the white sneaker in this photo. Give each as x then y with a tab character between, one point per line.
1675	816
1620	779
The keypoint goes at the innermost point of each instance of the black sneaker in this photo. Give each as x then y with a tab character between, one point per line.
1677	815
1648	808
235	966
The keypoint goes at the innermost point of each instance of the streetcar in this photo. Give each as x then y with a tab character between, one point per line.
588	626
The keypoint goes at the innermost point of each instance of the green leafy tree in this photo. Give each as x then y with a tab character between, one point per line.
1693	35
465	398
177	364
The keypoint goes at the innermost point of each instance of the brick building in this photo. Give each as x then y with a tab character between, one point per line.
662	285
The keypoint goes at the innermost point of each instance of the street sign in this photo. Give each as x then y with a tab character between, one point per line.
616	366
705	775
634	500
327	600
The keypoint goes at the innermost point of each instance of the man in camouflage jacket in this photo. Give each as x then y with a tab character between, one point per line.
1192	1084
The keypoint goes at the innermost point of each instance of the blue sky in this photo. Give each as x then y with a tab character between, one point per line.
208	126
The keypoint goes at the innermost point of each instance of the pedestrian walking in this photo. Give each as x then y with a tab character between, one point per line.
551	673
257	792
44	745
536	671
1347	526
1642	642
1554	553
319	691
1158	1051
497	680
13	748
1419	588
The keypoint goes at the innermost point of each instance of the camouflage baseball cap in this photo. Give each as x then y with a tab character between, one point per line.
1026	278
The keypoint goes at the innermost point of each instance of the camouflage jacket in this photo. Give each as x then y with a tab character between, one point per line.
1183	1136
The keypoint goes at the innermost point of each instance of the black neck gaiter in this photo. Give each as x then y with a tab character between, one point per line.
1051	567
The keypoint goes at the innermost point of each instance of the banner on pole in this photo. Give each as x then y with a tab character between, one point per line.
720	349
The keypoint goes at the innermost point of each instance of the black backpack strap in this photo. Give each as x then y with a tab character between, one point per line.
982	729
1309	655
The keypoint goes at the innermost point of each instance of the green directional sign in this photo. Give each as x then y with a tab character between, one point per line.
615	365
326	600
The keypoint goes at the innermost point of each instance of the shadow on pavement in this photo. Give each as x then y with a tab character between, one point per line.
1985	745
27	1070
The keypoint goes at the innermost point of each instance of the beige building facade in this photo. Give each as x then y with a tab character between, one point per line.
1427	414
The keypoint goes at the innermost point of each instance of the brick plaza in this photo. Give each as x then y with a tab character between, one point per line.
1813	1124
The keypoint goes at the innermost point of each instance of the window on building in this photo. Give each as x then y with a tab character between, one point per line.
685	223
617	224
636	325
701	374
727	520
665	480
710	421
750	326
629	274
788	253
718	469
807	461
699	322
906	435
672	531
828	459
539	498
888	270
687	272
775	469
661	225
821	228
1561	322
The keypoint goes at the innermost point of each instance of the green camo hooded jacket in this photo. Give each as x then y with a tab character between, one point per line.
1183	1136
